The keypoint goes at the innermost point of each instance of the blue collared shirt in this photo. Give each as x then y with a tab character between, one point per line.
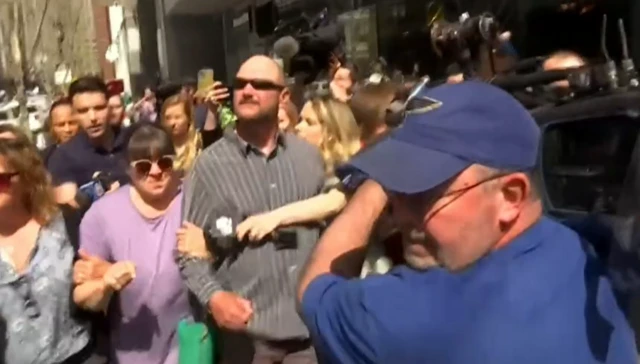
540	299
78	160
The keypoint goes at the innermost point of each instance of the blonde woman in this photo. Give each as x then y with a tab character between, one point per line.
329	125
177	118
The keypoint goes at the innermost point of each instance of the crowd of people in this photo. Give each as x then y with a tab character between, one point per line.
353	231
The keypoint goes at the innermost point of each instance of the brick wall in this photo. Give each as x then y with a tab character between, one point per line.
103	39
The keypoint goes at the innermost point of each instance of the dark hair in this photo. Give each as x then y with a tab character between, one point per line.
165	91
189	82
149	141
370	106
88	84
353	71
63	101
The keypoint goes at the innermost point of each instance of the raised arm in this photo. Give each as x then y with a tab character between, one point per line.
314	209
341	248
317	208
337	309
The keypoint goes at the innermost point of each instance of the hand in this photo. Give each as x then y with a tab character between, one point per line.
504	37
119	275
338	92
457	78
89	267
215	95
114	186
66	194
230	311
256	227
191	242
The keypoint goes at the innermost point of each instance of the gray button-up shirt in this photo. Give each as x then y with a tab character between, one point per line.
36	306
231	180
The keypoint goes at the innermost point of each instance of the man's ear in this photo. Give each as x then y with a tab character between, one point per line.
515	191
285	96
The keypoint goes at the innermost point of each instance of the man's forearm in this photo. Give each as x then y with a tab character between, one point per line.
341	248
199	276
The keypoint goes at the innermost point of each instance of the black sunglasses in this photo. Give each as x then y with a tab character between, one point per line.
5	179
260	85
143	166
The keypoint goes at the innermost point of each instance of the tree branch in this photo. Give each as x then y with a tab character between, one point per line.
36	39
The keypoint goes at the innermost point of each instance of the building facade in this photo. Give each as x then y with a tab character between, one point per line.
193	33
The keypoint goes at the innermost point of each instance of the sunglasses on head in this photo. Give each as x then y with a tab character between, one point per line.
5	179
143	166
260	85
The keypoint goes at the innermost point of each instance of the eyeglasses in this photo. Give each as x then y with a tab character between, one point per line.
260	85
143	166
424	202
5	179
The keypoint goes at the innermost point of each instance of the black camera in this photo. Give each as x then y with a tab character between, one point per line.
460	42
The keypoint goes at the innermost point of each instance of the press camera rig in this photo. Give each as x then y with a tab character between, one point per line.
471	41
462	42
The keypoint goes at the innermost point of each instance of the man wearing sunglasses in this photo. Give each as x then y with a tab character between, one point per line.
253	169
515	287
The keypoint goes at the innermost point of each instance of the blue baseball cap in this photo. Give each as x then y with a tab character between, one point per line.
446	129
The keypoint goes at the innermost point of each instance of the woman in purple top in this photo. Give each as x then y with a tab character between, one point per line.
135	229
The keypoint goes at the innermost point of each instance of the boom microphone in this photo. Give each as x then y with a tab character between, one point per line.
286	48
519	82
526	64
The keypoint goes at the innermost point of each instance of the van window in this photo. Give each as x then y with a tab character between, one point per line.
584	163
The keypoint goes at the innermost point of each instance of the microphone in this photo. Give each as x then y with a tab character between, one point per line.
610	65
96	188
286	47
629	73
519	82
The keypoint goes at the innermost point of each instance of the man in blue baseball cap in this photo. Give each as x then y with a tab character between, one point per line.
513	287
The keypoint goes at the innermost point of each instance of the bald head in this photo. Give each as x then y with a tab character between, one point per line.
563	60
259	90
262	67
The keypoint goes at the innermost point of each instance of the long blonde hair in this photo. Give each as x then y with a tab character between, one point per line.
22	155
187	155
340	132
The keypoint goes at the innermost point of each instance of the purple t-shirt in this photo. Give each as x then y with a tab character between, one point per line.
144	316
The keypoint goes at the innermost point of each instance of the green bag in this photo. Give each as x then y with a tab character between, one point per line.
196	343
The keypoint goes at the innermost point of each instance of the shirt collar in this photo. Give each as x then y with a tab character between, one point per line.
246	148
118	141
